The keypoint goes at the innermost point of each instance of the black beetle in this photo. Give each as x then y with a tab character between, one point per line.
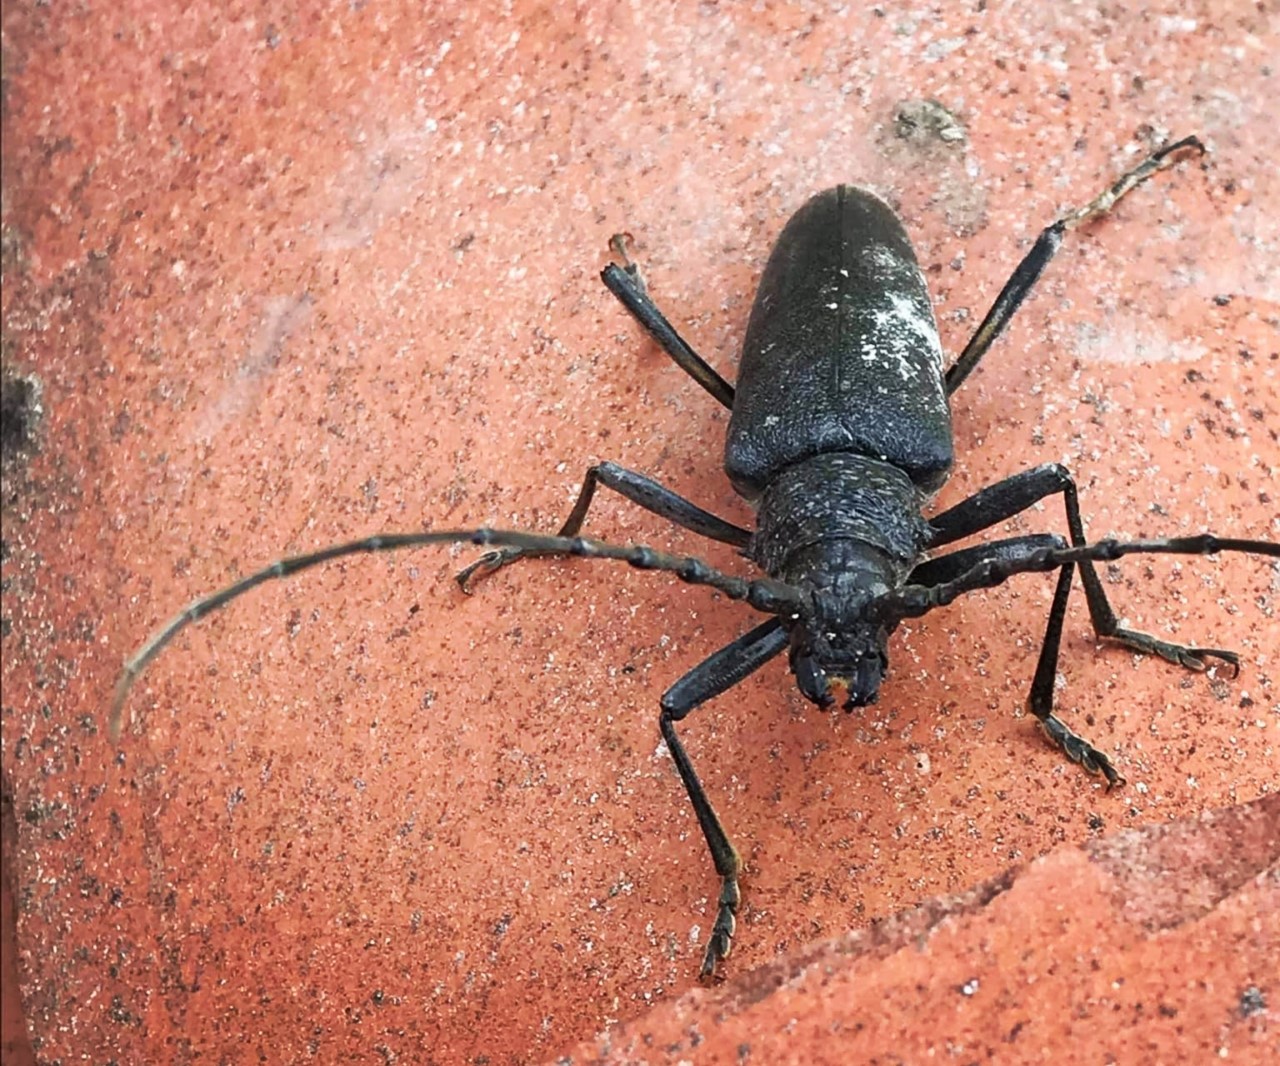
840	434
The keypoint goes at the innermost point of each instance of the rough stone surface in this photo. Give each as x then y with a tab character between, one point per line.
1153	945
273	280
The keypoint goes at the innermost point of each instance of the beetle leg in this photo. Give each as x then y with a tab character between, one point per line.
713	676
992	565
1040	701
1028	272
1015	494
764	594
626	284
637	488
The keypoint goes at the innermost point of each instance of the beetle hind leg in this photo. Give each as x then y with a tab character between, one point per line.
1028	271
627	284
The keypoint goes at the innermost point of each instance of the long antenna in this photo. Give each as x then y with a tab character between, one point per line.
764	594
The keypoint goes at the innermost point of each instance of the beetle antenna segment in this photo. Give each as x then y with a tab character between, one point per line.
911	601
764	594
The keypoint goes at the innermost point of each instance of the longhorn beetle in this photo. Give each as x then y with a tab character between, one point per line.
840	432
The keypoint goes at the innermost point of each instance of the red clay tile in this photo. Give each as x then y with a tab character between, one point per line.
1154	945
283	280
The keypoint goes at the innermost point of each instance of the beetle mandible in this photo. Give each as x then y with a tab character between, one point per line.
839	435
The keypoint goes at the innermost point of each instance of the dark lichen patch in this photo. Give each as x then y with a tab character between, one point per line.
927	124
924	135
13	251
1252	1001
21	415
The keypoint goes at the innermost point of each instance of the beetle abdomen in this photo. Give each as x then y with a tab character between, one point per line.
841	352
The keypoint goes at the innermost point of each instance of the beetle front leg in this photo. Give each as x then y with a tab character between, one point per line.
722	671
723	853
1040	698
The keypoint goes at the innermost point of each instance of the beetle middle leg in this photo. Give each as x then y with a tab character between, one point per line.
637	488
1014	495
708	679
1003	500
628	286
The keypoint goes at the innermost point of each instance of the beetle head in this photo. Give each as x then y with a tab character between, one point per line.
835	641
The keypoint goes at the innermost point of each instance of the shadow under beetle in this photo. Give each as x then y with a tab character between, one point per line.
840	433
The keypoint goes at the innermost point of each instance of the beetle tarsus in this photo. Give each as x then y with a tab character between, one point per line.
720	943
618	244
1079	750
486	565
1189	658
1131	179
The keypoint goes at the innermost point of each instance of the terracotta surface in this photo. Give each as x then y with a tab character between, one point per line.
1069	951
282	280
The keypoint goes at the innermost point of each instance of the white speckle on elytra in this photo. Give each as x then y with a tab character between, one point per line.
920	324
882	262
903	330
